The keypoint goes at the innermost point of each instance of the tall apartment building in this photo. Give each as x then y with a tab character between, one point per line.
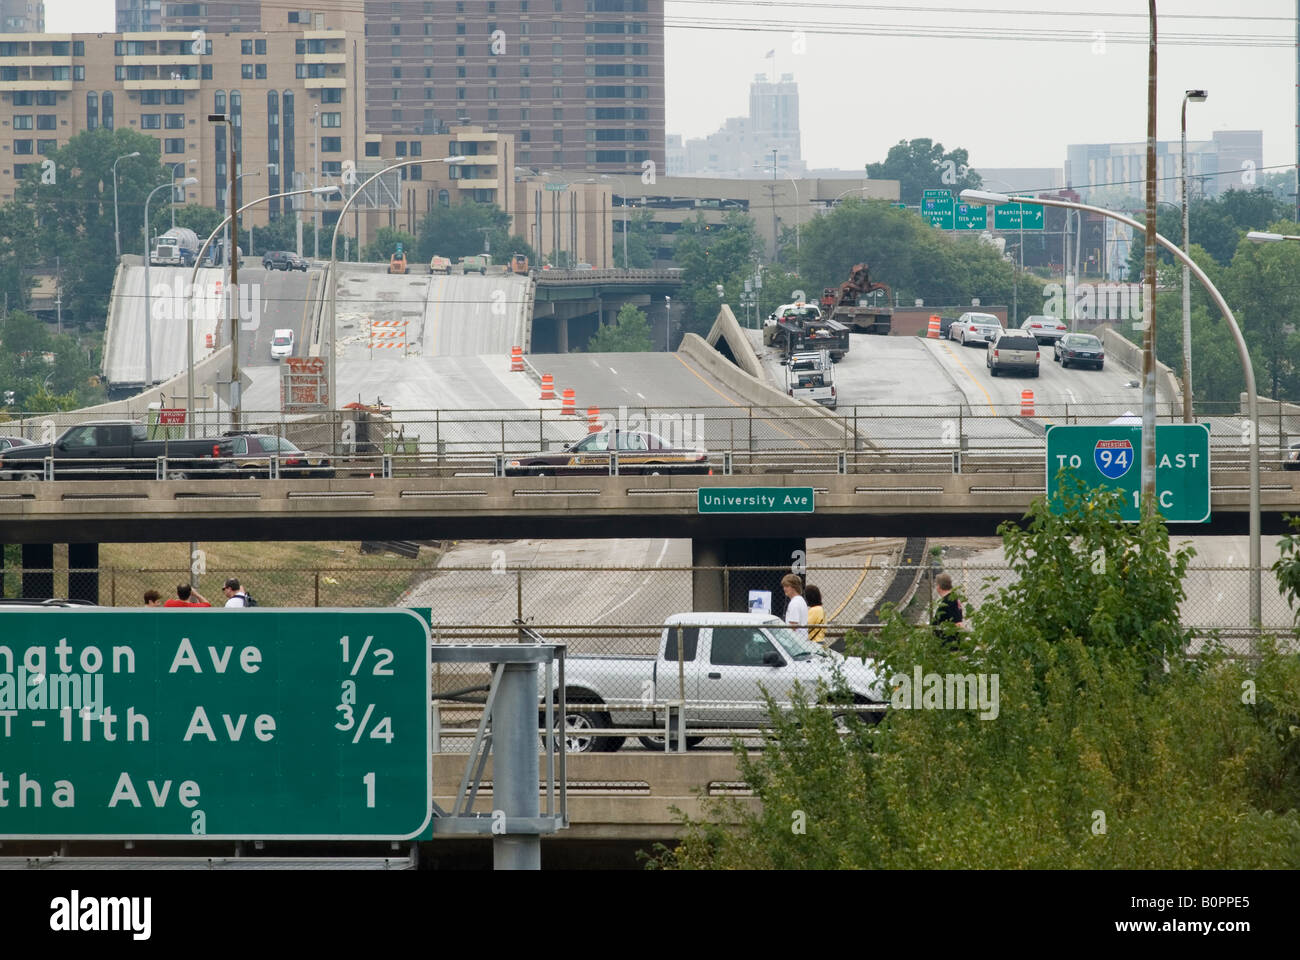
215	16
578	83
22	16
1228	160
276	86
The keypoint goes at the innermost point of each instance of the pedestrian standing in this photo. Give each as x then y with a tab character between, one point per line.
235	595
816	615
796	608
187	596
151	598
949	617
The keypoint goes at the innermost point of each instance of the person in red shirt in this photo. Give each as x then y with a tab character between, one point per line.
183	593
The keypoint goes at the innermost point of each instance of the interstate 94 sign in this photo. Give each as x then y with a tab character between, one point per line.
1110	456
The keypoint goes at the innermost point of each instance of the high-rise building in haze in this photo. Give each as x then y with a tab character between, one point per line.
22	16
743	146
1229	160
578	83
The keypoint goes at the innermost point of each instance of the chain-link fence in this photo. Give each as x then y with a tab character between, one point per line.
629	677
420	439
502	592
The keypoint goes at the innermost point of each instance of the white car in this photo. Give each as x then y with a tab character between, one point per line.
281	344
1044	329
975	328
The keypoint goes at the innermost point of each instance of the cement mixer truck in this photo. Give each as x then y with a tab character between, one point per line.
175	248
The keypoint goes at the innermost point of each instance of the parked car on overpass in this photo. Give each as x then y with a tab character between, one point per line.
638	452
1292	460
249	455
7	443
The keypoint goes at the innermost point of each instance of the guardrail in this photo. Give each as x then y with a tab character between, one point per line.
1027	460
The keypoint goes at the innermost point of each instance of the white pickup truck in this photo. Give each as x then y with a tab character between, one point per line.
727	660
811	376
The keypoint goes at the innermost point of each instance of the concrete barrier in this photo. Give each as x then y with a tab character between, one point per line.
726	328
1129	355
1285	415
754	390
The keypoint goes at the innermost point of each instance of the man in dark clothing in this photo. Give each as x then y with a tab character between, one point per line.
949	617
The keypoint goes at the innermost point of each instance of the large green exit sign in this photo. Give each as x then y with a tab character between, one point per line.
214	724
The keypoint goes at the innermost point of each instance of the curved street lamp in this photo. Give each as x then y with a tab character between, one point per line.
334	263
189	314
117	236
1148	387
148	290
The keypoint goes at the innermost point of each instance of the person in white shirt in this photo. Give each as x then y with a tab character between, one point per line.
235	597
796	608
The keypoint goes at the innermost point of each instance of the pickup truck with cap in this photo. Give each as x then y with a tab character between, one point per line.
727	660
111	450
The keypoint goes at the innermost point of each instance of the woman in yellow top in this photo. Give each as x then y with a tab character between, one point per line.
816	615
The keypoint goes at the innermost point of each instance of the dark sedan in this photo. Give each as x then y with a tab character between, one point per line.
1079	348
250	455
638	452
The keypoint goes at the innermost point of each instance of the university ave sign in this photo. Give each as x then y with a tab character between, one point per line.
754	500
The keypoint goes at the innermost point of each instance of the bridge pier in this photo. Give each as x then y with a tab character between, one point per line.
726	589
83	572
38	571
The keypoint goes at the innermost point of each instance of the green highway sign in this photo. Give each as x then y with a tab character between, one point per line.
754	500
937	207
970	216
214	724
1017	216
1111	456
900	206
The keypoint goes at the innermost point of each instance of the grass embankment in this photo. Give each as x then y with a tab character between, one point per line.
278	574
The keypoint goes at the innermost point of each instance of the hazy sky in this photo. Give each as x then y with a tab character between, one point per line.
1014	88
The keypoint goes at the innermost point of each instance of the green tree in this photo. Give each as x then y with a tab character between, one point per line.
459	231
382	248
629	333
642	241
711	255
1098	709
1264	290
904	251
202	220
74	215
920	165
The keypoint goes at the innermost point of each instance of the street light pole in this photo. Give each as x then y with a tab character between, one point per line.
1196	96
668	322
334	263
148	290
173	203
194	275
117	236
1248	370
315	171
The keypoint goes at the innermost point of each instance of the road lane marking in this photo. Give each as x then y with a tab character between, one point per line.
646	580
992	409
613	371
641	395
735	403
431	348
853	592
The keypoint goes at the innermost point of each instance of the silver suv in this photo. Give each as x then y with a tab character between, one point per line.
1012	350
